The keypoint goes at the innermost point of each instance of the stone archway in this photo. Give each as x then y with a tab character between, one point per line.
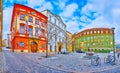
34	47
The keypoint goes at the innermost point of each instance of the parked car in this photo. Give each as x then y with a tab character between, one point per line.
79	51
8	47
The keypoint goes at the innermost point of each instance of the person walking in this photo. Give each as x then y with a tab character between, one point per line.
118	55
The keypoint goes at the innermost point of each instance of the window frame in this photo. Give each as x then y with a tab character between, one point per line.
21	29
29	19
37	22
21	18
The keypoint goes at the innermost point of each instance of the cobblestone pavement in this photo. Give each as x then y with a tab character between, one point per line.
16	63
75	63
37	63
1	63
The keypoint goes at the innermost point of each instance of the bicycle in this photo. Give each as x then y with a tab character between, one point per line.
96	61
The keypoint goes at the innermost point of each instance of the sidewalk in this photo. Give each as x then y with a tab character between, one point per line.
1	63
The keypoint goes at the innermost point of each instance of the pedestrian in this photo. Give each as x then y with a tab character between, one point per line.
118	54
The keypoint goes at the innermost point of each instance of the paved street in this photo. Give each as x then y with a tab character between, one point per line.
17	63
37	63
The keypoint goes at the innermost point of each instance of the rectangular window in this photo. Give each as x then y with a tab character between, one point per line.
42	33
42	45
98	31
106	31
30	31
21	29
42	24
36	32
36	21
21	44
22	17
94	31
30	19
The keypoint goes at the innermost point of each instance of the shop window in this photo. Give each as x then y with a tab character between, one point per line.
30	19
22	17
21	29
21	44
36	21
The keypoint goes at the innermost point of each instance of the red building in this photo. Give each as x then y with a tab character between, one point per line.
28	30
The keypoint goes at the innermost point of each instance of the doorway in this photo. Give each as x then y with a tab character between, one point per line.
34	47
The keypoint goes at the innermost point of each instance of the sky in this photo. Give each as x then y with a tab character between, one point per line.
78	15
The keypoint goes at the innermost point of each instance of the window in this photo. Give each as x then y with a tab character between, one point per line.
30	19
42	24
21	44
43	35
106	31
91	32
111	43
84	32
55	21
50	17
36	32
101	31
111	31
36	21
87	32
21	29
94	31
30	31
22	17
42	45
98	31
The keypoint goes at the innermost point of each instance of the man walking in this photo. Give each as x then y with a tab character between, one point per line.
118	54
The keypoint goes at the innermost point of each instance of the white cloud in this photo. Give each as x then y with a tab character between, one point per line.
69	10
72	26
34	3
47	5
116	12
61	3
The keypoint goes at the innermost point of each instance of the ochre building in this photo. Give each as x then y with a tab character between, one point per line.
69	41
28	30
94	39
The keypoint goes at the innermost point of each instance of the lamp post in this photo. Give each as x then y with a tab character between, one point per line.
113	42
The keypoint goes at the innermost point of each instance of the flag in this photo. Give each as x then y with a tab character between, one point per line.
26	19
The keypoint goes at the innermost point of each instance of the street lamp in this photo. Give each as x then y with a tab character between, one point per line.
112	29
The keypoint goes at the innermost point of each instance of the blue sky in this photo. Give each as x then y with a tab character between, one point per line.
76	14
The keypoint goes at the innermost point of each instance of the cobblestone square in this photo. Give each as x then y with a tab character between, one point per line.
58	63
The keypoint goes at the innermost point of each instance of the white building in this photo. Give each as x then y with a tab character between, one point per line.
56	32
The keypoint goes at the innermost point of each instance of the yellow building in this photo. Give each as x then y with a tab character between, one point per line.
69	41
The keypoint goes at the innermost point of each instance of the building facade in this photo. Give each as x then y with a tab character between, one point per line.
94	39
28	30
69	41
56	32
1	22
9	40
4	42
